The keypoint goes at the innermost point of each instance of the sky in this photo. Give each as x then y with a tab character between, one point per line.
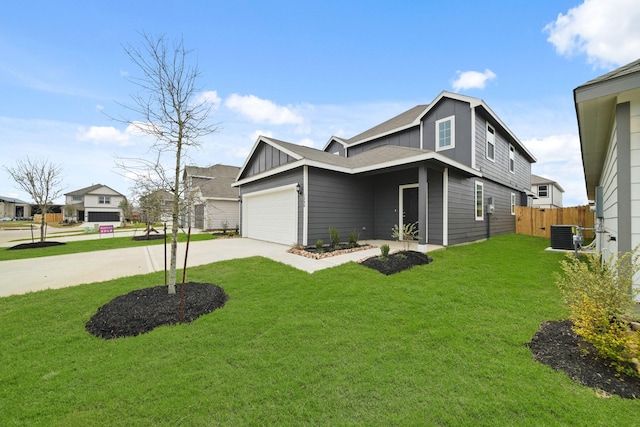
300	71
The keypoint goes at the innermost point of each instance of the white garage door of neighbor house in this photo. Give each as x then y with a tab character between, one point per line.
271	215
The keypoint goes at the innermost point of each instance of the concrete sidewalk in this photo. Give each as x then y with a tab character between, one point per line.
22	276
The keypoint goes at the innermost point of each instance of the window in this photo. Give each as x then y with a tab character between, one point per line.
512	159
76	198
445	133
104	200
491	143
479	201
543	190
513	203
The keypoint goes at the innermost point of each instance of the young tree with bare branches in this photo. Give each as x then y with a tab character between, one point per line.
168	109
40	179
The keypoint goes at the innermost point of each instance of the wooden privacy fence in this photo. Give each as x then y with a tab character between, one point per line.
538	221
49	218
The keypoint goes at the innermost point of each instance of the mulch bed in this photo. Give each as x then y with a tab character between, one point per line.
143	310
149	237
557	346
36	245
397	262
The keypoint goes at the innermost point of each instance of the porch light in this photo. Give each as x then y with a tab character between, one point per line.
298	189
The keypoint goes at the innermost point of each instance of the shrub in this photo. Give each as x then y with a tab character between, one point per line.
408	233
334	237
599	295
319	245
384	250
354	236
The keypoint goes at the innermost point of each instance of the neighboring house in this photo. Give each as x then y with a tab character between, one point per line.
452	166
97	204
548	193
157	206
213	202
608	110
14	208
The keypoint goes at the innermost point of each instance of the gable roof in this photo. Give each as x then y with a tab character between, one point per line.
214	181
91	189
595	103
538	180
375	159
414	116
395	124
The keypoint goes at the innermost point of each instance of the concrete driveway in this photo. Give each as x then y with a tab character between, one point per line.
21	276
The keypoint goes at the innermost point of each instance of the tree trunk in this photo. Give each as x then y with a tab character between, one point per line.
42	222
175	217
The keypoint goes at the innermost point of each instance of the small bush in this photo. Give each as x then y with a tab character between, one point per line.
319	245
599	296
334	237
384	250
354	236
408	233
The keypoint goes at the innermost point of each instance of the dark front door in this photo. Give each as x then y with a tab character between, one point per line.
81	216
409	205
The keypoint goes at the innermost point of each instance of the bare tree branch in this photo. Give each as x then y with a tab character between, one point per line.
166	108
40	179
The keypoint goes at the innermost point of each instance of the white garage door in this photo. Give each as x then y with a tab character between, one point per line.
271	215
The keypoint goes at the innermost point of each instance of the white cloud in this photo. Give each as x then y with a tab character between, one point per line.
209	97
262	110
103	135
559	159
472	79
606	31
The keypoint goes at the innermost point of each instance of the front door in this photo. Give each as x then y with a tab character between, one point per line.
409	205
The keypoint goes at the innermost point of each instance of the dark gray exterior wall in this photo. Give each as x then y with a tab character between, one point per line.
435	206
445	108
463	227
498	170
386	200
335	147
341	201
407	138
279	180
265	157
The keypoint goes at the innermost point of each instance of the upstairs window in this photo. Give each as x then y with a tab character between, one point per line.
512	159
445	133
491	143
104	200
76	198
543	190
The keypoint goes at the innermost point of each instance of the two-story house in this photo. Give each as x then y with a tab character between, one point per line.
97	204
452	166
547	193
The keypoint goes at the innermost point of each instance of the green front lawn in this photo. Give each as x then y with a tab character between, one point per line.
441	344
97	244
